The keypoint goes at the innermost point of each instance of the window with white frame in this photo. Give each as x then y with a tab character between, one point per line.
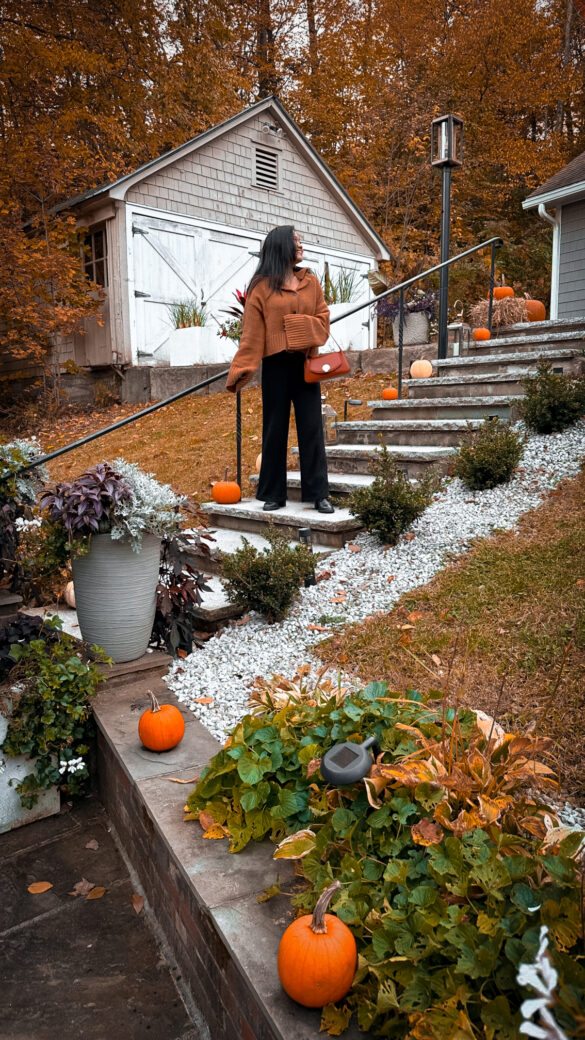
95	259
266	168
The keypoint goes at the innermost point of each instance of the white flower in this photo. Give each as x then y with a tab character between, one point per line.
543	978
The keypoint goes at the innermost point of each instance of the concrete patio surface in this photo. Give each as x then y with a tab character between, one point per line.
79	969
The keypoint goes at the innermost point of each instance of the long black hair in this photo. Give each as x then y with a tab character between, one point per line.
277	257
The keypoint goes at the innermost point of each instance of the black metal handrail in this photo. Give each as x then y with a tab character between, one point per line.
494	243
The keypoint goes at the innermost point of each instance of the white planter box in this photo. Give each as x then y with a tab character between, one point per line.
350	333
199	345
12	813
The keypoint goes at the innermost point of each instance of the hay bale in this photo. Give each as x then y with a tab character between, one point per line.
505	312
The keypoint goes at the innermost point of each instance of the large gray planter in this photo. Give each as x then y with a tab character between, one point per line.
415	329
115	595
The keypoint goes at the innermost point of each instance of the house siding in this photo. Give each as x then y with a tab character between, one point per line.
216	183
572	261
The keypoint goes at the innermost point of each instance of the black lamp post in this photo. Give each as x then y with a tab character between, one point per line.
446	152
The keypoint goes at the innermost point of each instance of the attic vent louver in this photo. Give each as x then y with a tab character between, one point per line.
266	169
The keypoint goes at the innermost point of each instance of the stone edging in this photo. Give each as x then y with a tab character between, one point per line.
204	899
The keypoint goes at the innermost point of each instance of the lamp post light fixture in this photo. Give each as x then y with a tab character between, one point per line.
446	152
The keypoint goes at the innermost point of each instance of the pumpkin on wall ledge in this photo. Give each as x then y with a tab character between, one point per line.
226	492
503	292
161	727
389	393
317	956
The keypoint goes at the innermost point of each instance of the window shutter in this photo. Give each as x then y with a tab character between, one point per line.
266	169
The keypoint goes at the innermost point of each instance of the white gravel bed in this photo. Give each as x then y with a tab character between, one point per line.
373	580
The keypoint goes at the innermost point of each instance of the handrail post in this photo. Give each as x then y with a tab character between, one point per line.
239	437
400	340
492	280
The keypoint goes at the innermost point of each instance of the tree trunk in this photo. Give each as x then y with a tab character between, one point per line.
267	77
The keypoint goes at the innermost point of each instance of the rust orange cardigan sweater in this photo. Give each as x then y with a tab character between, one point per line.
276	321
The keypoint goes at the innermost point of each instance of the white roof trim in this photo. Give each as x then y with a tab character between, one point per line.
119	188
571	193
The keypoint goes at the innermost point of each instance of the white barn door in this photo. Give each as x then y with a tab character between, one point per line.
175	262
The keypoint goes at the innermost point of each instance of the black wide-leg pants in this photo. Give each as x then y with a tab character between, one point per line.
283	384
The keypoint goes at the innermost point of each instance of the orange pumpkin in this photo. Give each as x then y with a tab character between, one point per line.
421	369
536	310
161	727
501	292
481	334
226	492
389	393
317	956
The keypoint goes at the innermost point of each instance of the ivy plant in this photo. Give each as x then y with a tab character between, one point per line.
449	861
47	703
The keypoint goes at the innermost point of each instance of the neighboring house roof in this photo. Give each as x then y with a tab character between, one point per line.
118	189
565	186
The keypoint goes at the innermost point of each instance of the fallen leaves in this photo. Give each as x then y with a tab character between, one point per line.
93	845
353	548
96	893
323	576
316	628
137	903
176	780
39	886
203	700
82	888
409	537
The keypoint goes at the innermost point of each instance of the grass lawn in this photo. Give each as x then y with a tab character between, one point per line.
502	629
187	444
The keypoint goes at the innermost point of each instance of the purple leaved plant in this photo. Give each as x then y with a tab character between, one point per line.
85	505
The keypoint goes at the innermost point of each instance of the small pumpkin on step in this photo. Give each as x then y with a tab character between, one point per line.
317	956
226	492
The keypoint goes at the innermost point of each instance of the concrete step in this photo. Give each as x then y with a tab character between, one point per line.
228	541
494	384
413	461
338	484
530	340
333	529
462	408
567	360
415	432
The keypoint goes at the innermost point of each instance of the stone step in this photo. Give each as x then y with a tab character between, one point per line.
333	529
228	541
215	610
530	340
413	461
415	432
494	384
567	360
530	328
462	408
339	484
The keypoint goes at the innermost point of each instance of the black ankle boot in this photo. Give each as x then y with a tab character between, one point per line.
324	506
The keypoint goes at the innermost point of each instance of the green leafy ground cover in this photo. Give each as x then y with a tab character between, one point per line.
449	861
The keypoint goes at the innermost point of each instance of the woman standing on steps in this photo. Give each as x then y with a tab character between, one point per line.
285	316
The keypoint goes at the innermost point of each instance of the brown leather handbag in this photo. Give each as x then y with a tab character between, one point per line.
326	366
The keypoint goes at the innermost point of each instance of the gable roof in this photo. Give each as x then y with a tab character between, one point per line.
118	189
564	186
